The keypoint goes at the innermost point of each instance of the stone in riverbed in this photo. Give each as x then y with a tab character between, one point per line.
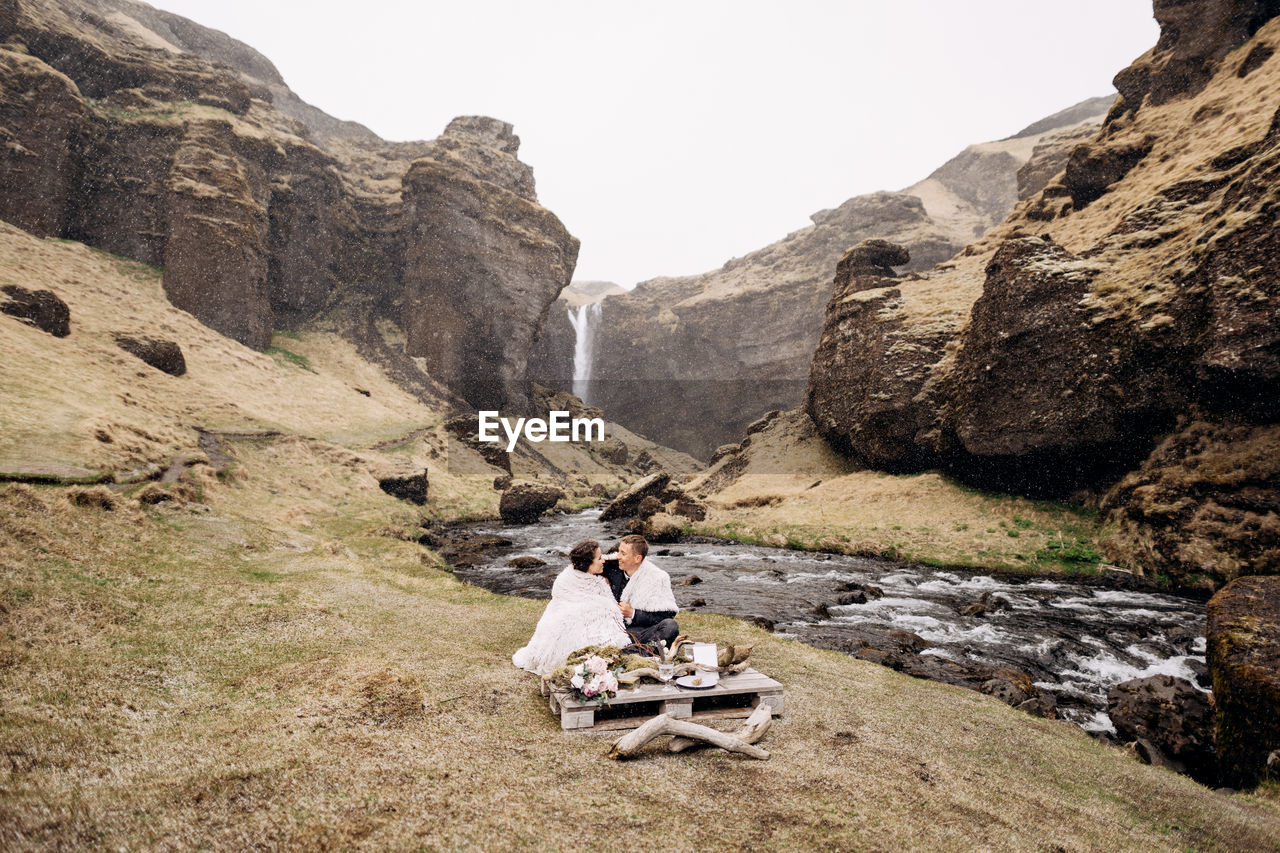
627	503
523	503
1169	716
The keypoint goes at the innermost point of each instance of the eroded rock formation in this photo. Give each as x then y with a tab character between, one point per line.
143	134
483	263
1118	335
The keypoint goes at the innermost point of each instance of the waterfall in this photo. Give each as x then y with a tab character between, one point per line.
583	322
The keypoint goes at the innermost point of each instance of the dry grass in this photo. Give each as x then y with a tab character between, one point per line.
189	676
923	518
278	667
104	409
794	491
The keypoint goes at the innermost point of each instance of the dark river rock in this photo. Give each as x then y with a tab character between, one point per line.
1053	647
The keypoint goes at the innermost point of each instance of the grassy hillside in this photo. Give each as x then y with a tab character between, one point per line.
263	669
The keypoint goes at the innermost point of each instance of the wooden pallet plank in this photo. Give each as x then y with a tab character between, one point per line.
710	716
577	719
749	681
680	707
754	687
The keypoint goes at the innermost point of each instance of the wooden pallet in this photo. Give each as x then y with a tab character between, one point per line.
734	697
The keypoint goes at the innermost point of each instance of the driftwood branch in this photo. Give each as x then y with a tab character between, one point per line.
681	669
729	655
636	674
752	730
663	724
671	653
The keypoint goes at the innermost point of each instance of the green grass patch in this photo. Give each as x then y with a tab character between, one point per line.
289	357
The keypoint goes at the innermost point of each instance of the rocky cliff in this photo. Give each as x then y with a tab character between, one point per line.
721	348
1117	335
148	136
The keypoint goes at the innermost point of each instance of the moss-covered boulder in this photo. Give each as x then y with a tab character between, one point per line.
1244	659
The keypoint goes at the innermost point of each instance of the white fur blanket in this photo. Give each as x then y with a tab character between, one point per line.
581	612
650	589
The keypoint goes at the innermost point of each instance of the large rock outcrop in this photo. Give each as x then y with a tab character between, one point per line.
146	135
1243	636
39	126
865	379
1204	507
483	263
1195	36
1117	336
721	348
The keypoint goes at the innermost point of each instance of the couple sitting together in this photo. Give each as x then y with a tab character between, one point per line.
600	602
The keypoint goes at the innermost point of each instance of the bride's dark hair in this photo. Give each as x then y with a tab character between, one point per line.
583	554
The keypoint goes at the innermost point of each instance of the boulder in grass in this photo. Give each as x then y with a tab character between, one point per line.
613	451
663	528
690	508
40	308
165	356
411	488
524	503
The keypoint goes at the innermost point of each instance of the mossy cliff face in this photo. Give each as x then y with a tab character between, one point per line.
1243	636
1131	301
143	134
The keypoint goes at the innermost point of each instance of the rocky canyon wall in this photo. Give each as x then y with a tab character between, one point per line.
145	135
1117	338
695	359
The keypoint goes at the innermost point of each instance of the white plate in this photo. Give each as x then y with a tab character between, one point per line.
687	681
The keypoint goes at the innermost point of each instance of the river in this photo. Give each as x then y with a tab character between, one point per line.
1073	640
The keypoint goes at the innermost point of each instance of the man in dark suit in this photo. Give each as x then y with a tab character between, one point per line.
643	592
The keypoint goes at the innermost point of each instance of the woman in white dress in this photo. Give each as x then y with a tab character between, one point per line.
582	612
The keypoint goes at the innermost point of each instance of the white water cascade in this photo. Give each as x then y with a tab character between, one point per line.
584	322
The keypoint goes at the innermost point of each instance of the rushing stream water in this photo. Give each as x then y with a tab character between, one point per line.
1073	640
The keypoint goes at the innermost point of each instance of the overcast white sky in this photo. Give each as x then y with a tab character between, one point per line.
672	136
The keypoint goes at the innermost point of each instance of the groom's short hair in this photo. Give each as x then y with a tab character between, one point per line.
639	545
583	554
